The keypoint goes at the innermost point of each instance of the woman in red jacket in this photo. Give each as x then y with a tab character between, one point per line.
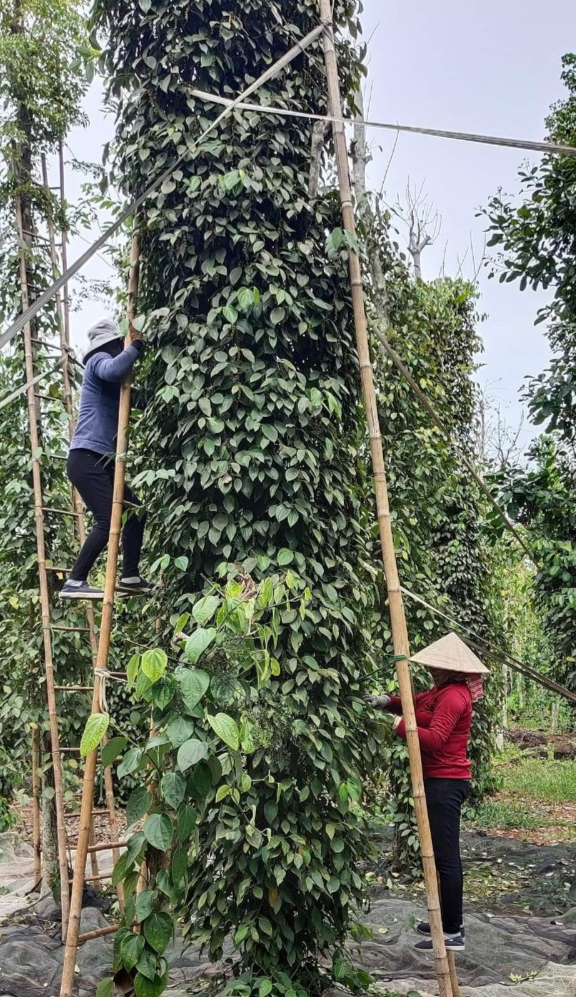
444	718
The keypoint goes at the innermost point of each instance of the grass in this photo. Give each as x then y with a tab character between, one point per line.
506	816
541	779
536	801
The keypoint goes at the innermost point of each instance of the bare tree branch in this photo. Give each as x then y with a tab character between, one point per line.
423	222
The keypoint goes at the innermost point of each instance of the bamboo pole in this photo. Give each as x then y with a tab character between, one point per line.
33	421
397	614
453	975
93	854
36	789
72	937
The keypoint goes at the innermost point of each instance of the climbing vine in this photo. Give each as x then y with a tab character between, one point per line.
249	454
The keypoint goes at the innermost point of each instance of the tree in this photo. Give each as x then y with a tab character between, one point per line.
537	249
536	242
250	455
40	89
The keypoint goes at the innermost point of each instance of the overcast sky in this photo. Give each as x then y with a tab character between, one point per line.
484	66
487	67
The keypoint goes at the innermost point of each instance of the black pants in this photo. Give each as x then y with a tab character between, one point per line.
445	798
92	475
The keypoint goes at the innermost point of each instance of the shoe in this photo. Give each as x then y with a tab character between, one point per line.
424	929
80	590
454	943
134	586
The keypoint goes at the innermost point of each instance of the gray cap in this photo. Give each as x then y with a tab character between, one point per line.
105	331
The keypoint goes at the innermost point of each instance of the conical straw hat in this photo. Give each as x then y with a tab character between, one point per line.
451	654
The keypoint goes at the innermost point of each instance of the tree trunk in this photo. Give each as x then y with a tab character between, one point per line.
554	715
49	836
22	155
360	156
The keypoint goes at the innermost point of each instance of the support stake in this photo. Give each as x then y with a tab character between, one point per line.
397	614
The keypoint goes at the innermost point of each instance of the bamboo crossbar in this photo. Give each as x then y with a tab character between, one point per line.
397	614
482	644
96	877
107	846
89	936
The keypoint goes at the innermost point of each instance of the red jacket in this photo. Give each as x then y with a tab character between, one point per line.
443	718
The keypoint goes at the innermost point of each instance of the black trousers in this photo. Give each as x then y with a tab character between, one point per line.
445	798
92	474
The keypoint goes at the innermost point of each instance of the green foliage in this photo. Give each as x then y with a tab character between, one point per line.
95	730
250	453
541	498
248	848
39	101
40	83
537	248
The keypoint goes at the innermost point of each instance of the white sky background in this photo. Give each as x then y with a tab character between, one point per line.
484	66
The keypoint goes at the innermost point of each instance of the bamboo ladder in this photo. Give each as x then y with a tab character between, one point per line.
43	514
445	967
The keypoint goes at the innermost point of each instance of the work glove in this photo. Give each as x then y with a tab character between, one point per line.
377	702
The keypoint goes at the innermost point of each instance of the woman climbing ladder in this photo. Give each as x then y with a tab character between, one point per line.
444	718
91	462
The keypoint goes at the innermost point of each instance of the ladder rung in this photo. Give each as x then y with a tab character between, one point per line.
99	933
73	630
73	688
66	751
49	346
59	456
59	512
106	846
95	879
46	398
77	815
58	569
